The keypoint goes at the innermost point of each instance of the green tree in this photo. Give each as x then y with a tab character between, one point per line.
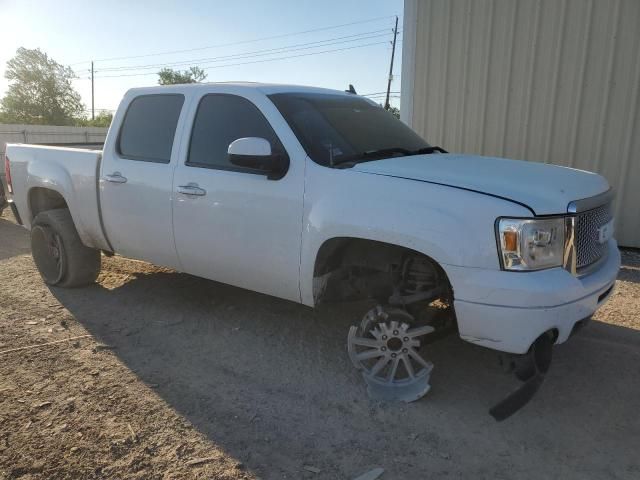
40	91
395	111
103	119
169	76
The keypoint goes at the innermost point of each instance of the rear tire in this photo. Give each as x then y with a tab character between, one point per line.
58	252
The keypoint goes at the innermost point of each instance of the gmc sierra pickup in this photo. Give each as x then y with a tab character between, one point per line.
316	195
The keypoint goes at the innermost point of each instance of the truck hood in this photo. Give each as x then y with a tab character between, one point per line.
545	189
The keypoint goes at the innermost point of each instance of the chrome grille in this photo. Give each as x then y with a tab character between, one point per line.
588	249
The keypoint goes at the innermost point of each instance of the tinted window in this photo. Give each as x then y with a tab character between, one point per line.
149	127
333	126
220	120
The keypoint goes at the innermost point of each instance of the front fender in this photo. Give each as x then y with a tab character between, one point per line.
451	225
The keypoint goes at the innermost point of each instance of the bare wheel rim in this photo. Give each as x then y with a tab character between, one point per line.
385	347
48	253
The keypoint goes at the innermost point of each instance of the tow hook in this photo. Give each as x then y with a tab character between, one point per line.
529	368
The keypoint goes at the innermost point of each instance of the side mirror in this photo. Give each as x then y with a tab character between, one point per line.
255	153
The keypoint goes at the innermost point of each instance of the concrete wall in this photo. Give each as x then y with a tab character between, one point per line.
85	137
48	135
552	81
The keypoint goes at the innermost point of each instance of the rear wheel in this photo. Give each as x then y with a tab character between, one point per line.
58	252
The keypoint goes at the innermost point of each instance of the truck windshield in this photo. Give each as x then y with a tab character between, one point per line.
342	130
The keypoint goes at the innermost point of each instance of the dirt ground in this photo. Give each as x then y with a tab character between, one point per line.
178	377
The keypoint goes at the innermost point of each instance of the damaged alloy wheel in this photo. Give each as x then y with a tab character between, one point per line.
385	348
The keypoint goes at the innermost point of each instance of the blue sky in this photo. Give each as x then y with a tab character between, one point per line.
72	31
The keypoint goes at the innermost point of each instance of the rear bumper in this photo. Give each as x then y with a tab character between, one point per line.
508	311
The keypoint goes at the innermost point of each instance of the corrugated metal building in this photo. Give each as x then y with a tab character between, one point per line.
552	81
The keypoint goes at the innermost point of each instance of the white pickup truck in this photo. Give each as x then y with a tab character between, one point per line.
316	195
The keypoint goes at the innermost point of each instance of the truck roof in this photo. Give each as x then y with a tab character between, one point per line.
266	88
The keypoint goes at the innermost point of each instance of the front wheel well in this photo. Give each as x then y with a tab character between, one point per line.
356	268
43	199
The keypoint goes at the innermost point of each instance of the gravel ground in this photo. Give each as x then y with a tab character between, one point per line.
173	376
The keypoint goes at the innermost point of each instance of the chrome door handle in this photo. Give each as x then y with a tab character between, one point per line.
192	189
115	177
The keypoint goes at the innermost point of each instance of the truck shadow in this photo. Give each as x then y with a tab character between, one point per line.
13	239
270	382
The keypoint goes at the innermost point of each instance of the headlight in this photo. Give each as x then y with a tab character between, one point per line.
531	244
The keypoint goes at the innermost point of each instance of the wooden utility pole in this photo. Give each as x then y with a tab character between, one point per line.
393	53
93	112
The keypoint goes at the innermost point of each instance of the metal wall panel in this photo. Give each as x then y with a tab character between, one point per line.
552	81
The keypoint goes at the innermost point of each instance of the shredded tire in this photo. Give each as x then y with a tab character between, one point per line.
78	265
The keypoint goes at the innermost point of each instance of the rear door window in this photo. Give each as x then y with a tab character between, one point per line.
149	128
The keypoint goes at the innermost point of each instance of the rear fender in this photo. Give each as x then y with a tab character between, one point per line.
54	177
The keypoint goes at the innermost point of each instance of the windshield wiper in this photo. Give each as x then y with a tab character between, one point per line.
383	152
428	150
371	155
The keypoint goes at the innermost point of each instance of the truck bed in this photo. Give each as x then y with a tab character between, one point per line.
71	172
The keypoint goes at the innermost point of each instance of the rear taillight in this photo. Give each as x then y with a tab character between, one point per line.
7	172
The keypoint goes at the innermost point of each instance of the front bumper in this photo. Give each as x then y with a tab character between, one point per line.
508	311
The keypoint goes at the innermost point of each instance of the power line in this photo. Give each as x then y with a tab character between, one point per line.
379	94
374	94
255	61
382	97
255	53
171	52
110	110
251	55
